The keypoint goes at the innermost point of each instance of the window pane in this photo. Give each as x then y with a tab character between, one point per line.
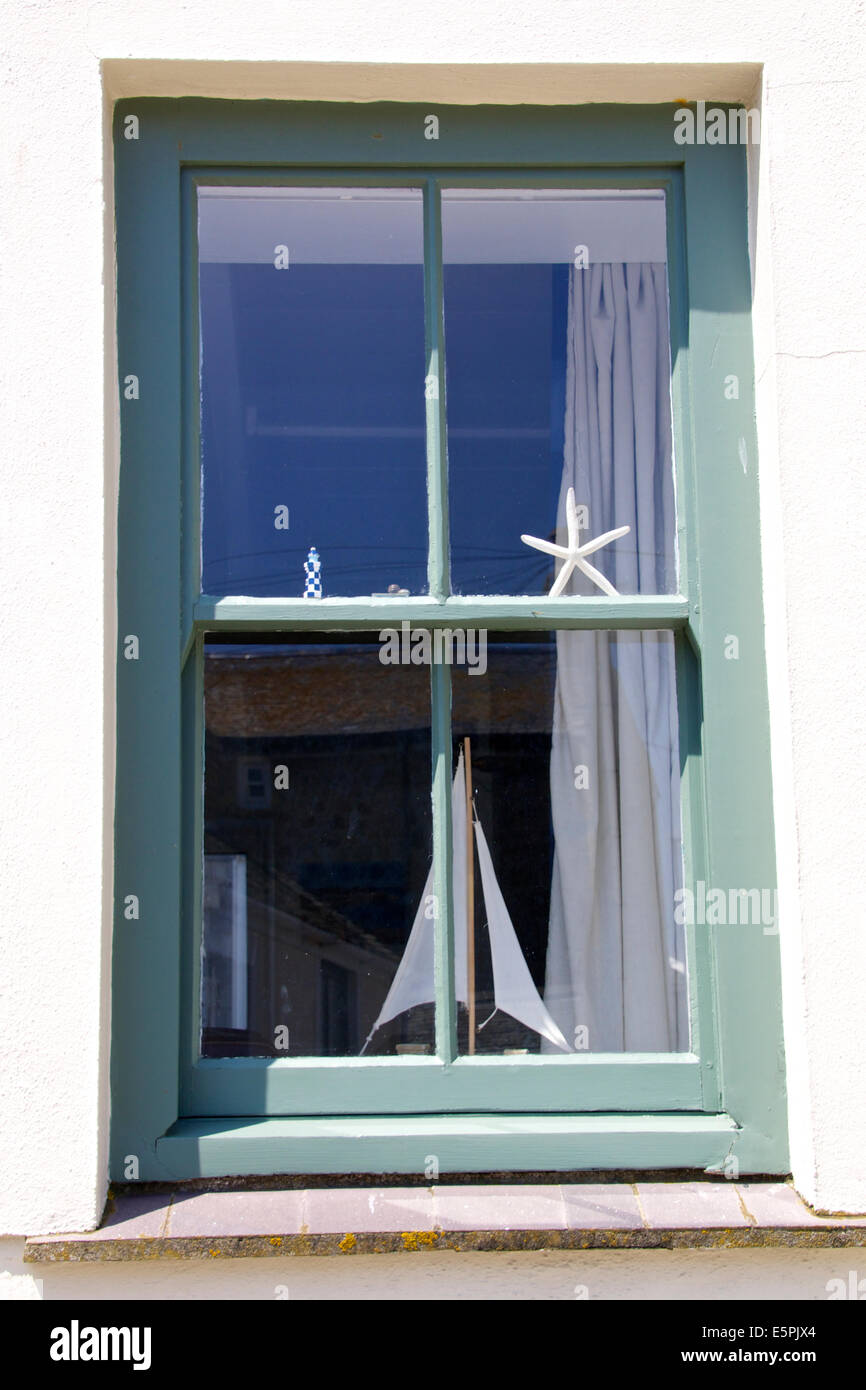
312	389
575	777
558	377
317	846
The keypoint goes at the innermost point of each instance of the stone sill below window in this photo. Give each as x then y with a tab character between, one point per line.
188	1223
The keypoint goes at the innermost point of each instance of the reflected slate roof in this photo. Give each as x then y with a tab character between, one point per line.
326	692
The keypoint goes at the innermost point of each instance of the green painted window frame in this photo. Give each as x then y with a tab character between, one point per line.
181	1116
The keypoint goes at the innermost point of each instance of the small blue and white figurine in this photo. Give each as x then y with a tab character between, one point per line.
313	571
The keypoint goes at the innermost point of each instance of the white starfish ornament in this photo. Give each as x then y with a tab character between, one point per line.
573	552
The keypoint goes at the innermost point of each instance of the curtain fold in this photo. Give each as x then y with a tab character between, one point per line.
616	958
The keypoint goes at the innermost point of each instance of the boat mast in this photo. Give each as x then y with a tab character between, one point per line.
470	898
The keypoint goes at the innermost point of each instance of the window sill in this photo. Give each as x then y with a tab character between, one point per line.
190	1224
461	1143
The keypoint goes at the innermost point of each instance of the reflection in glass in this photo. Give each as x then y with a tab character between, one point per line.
224	990
317	845
558	377
312	395
576	850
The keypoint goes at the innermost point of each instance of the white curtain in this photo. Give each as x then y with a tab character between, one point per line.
616	957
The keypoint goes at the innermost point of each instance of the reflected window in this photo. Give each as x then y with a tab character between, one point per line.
311	890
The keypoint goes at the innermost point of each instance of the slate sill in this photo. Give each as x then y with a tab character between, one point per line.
191	1224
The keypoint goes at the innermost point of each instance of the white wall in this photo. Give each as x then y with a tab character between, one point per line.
59	437
549	1275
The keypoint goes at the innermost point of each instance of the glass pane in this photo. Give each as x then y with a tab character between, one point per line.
558	378
576	845
312	390
317	846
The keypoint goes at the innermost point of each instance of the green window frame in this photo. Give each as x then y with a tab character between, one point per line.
720	1106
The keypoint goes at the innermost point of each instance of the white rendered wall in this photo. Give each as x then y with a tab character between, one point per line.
548	1275
58	432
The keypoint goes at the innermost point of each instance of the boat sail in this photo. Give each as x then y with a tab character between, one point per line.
513	987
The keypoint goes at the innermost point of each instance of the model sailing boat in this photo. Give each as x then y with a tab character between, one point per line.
513	987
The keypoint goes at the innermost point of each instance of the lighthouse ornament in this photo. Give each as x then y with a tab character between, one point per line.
313	571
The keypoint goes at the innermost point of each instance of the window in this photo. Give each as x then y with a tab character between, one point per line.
429	787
